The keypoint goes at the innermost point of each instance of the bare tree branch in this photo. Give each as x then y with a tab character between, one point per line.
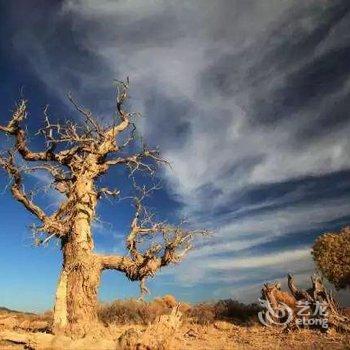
50	224
13	128
107	192
173	243
17	190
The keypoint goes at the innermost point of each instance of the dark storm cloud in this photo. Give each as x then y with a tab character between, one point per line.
299	32
289	54
173	125
303	88
333	116
57	52
276	196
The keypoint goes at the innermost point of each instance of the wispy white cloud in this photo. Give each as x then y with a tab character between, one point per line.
273	259
234	274
249	231
236	95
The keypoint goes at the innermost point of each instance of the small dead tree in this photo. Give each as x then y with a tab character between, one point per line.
77	154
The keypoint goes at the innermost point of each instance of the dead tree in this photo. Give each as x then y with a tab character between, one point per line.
299	294
77	154
319	294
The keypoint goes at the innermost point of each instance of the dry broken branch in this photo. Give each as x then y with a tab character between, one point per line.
173	243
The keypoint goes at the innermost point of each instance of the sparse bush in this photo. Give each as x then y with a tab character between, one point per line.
233	310
226	310
132	311
331	253
202	313
167	300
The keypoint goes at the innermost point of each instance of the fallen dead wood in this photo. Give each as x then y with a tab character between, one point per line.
300	306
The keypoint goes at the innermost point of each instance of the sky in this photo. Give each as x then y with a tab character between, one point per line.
248	100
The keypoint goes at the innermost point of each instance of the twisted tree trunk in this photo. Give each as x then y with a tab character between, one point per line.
75	311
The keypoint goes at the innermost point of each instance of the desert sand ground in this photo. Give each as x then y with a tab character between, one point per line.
221	335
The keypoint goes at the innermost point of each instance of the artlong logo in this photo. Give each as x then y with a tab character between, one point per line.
306	314
281	316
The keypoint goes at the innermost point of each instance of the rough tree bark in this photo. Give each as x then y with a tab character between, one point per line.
60	314
88	150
